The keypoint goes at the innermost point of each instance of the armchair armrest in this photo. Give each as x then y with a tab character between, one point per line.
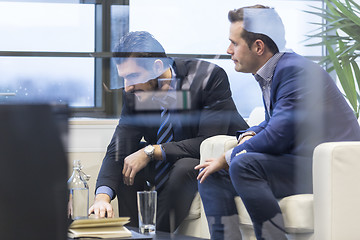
336	179
213	147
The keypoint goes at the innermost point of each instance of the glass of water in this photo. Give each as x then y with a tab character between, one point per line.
147	201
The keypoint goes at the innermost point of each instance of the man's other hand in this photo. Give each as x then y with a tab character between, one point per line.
133	164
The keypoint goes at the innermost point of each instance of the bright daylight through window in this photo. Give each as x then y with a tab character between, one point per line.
46	48
47	27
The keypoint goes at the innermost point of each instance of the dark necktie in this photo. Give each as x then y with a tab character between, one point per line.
165	134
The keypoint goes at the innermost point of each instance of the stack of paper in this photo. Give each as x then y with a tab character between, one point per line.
100	228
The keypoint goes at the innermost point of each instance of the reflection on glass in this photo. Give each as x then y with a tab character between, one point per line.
47	27
202	27
56	80
119	26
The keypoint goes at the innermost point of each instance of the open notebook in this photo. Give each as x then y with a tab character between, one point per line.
100	228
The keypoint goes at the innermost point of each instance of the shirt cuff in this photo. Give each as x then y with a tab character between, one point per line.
105	190
228	156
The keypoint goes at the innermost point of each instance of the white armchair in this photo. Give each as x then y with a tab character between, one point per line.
297	209
331	213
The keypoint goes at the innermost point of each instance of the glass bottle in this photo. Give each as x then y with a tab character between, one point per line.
79	193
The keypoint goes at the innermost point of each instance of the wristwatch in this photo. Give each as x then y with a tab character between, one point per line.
245	134
149	151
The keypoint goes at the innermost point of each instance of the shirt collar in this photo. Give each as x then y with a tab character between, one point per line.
266	72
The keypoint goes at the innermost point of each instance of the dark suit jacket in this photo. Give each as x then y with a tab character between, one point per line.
306	109
212	112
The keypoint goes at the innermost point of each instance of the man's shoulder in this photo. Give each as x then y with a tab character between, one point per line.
194	63
293	63
197	65
290	59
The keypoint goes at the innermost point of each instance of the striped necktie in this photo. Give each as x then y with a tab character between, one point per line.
165	134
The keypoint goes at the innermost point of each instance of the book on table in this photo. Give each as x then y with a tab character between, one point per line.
100	228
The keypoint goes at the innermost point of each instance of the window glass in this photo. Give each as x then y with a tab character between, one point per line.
245	89
119	26
47	79
202	26
47	27
183	27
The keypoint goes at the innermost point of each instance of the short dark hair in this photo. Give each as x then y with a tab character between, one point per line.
237	15
142	46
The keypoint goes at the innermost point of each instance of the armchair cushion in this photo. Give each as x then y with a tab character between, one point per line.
298	213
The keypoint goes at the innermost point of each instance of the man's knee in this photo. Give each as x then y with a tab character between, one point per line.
182	177
246	167
184	168
241	164
209	183
189	163
217	186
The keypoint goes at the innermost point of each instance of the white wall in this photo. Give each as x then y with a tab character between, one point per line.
87	141
91	134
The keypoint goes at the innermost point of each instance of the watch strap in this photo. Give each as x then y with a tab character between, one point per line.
245	134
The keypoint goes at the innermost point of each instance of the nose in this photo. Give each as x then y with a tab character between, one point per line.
230	50
129	88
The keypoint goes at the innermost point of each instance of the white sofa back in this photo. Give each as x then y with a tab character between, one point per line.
336	191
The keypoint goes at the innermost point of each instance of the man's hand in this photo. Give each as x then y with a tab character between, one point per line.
210	166
133	164
244	139
102	207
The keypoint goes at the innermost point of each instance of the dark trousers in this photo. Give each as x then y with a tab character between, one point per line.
174	199
259	179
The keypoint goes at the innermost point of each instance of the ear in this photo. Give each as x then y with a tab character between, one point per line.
158	67
259	47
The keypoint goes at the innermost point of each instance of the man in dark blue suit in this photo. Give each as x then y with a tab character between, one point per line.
303	108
